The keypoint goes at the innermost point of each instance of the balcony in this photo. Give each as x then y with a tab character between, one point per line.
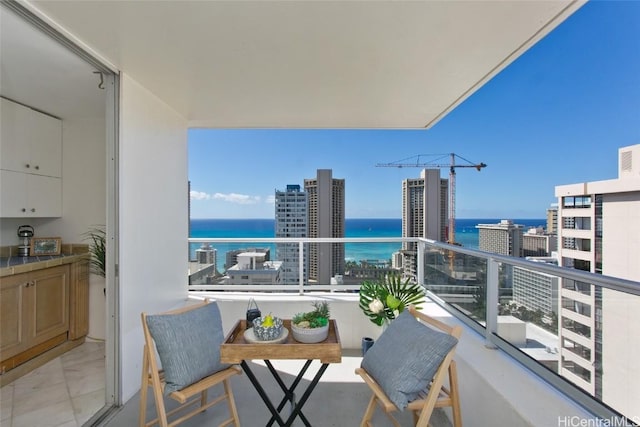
514	359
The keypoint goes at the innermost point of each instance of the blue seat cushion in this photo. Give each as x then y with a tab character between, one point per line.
405	358
188	345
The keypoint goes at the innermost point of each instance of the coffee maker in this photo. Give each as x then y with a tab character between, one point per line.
25	233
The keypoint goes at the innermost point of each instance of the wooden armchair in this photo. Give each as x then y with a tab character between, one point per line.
432	392
186	343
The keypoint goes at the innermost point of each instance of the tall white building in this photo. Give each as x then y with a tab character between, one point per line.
424	212
535	290
291	221
600	233
326	219
504	238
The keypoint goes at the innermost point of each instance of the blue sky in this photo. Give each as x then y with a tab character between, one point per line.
557	115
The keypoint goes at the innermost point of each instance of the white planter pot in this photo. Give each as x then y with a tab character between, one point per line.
309	336
97	307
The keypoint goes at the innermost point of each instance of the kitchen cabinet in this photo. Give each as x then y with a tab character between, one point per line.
34	313
30	141
29	196
30	163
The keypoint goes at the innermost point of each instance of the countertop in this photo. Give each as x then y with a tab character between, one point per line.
16	265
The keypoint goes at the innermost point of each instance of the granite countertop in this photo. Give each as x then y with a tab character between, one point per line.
16	264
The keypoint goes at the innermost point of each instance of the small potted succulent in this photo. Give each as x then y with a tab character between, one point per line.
312	326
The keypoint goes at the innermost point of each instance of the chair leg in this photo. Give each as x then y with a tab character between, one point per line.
455	398
231	403
144	388
368	414
203	398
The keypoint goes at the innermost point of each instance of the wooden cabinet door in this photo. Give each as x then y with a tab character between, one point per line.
49	307
13	326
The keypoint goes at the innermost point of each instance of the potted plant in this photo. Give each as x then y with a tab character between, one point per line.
98	249
312	326
382	301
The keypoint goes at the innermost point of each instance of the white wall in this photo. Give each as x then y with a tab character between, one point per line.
620	326
153	214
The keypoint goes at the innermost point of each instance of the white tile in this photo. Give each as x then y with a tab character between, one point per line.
6	404
86	405
28	400
44	376
60	413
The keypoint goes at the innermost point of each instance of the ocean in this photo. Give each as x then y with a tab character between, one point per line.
466	234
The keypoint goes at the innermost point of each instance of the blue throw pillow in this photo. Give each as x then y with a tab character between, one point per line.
406	357
188	345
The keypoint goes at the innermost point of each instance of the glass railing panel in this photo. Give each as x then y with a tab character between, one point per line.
458	279
578	326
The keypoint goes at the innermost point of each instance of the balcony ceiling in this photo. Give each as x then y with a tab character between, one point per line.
309	64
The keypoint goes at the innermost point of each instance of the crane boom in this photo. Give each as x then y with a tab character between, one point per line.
434	164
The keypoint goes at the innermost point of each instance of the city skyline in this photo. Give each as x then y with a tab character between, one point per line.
556	116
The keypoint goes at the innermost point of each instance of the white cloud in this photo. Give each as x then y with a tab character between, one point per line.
270	200
199	195
241	199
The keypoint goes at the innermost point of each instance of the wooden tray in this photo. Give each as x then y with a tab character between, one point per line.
236	349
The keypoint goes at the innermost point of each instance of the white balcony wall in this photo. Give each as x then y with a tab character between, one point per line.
153	214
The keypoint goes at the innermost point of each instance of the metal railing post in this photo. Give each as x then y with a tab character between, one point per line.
491	302
301	267
420	262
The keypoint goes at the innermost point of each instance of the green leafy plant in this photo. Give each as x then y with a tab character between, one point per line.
384	300
317	318
97	238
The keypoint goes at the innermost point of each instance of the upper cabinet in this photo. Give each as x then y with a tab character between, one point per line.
30	142
30	162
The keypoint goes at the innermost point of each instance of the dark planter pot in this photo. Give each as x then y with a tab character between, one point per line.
366	344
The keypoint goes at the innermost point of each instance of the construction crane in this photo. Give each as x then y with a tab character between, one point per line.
435	164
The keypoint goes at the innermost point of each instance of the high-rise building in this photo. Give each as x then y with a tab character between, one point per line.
424	213
600	233
536	290
504	238
291	221
326	219
535	242
552	219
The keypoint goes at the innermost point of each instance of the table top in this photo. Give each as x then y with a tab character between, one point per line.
235	348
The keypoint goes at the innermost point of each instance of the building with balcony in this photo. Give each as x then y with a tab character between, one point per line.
424	213
504	238
600	234
538	243
552	219
291	221
326	219
535	290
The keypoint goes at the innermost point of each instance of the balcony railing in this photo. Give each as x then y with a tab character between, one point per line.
572	328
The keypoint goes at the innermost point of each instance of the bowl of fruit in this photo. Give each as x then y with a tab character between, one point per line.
267	328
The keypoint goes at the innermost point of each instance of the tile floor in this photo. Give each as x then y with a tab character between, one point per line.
65	392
